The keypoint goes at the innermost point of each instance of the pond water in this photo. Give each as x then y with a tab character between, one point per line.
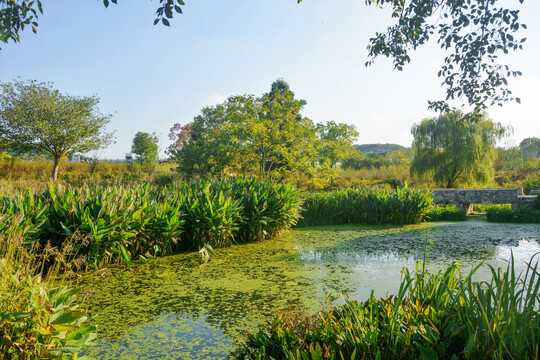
180	307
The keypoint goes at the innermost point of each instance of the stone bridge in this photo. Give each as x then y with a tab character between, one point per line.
465	198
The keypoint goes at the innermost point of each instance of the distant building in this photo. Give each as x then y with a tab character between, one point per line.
77	158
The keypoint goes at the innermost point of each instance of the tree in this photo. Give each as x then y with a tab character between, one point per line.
455	149
475	32
530	147
353	160
337	140
400	157
145	146
35	118
15	15
264	136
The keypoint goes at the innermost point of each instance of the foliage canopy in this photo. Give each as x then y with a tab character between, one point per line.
473	33
336	140
265	136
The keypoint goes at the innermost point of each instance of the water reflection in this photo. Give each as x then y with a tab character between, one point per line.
178	307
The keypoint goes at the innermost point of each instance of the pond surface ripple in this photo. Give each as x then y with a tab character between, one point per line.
179	307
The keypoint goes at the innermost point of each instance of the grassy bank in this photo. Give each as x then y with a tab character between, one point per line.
507	215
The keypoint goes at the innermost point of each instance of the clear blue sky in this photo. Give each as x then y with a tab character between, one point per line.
150	77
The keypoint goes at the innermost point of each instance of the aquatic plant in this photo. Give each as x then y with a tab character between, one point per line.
210	218
140	222
39	318
267	208
122	222
443	315
366	206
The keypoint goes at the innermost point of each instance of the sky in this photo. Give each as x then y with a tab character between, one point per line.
151	77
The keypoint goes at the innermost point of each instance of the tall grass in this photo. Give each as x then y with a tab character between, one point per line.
445	315
366	206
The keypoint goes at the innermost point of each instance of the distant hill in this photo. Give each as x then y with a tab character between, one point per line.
382	149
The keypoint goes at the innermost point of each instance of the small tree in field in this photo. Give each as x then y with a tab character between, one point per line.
37	119
145	146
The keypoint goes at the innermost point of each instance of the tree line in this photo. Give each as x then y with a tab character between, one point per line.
265	136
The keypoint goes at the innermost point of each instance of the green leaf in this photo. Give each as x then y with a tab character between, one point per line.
124	254
10	316
427	353
67	317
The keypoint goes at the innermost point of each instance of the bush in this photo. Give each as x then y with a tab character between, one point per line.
445	213
434	316
536	202
507	215
485	207
531	184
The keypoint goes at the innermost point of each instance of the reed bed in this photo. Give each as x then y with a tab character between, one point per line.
443	315
366	206
141	222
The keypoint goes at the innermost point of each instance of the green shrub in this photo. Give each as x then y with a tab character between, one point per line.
536	202
485	207
366	206
531	184
522	215
434	316
445	213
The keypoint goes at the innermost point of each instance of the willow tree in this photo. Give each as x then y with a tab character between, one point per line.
455	148
37	119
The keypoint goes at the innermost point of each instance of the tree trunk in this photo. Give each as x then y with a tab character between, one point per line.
55	168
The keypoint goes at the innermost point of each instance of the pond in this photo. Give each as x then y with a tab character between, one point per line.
180	307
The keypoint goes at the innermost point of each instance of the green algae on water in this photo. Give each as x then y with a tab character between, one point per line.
180	307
